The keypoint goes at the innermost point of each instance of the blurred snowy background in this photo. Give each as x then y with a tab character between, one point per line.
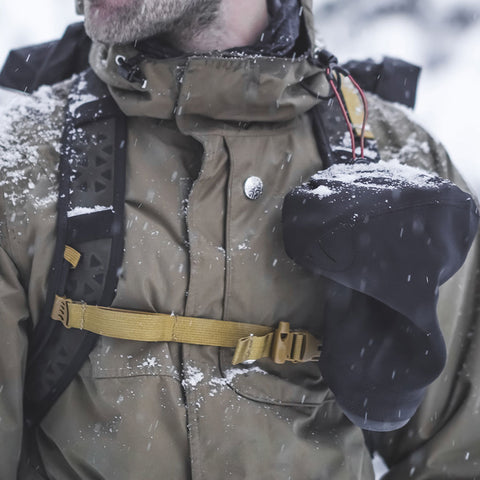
443	36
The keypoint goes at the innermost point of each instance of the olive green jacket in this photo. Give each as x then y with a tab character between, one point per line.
197	246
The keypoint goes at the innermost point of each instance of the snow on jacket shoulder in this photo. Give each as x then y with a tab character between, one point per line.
30	130
30	137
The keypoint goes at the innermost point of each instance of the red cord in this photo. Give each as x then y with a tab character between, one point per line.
344	112
365	113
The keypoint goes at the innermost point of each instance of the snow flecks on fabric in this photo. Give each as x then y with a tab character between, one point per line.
373	176
149	361
322	191
76	99
243	246
87	210
42	202
193	378
30	133
218	383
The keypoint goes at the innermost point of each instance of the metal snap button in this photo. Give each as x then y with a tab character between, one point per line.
253	188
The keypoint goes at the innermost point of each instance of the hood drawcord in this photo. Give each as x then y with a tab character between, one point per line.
130	69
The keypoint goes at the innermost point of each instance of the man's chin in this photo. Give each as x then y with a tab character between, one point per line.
102	33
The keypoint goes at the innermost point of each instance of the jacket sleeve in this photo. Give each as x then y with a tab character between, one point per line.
14	317
442	440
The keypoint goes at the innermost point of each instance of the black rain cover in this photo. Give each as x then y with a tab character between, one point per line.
387	235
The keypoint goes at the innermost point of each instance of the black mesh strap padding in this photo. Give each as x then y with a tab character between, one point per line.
91	177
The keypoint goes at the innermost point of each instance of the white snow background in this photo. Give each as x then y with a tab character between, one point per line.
442	36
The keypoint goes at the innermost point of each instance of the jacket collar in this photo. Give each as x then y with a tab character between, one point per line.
223	86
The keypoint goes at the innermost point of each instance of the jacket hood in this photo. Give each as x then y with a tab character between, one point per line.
225	86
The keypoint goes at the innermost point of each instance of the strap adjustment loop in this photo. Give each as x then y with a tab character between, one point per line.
60	311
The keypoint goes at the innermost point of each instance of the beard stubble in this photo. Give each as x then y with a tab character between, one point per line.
124	21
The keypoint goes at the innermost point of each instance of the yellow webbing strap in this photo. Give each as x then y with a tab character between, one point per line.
354	106
72	256
252	341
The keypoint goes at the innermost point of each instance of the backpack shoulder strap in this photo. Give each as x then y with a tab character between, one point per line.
28	68
91	221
